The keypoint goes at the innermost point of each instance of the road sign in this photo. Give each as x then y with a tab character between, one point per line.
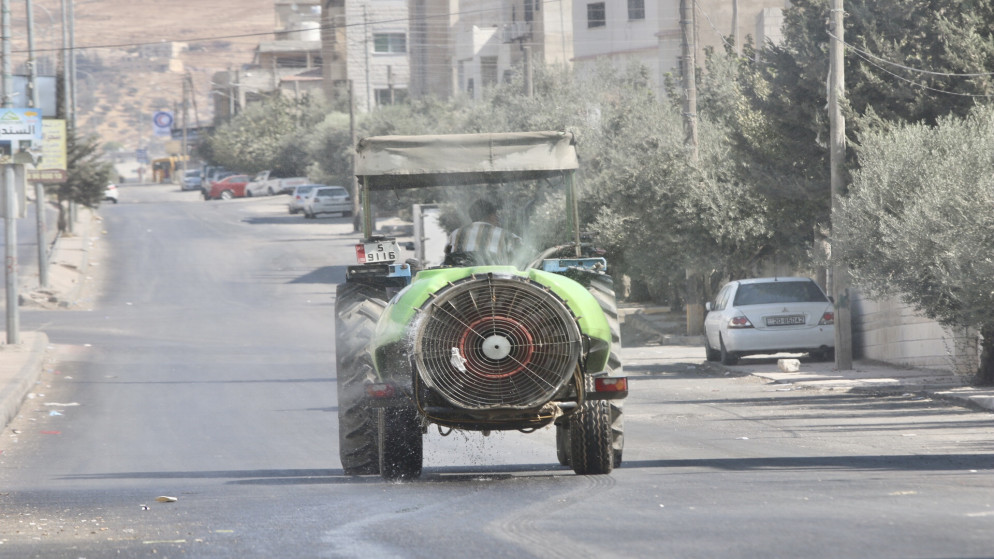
162	123
20	130
141	155
51	169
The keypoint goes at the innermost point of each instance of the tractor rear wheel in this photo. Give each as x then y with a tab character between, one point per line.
562	443
401	447
602	288
591	439
357	308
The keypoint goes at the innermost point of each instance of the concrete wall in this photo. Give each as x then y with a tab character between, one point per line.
891	331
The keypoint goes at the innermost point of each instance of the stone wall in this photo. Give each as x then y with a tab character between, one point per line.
891	331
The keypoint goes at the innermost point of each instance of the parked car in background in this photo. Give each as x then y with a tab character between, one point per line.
327	200
110	193
297	195
193	179
769	315
227	188
269	183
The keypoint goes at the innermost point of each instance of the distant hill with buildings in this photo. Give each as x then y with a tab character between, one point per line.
134	55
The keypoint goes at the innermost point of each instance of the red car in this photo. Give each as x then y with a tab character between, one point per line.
227	188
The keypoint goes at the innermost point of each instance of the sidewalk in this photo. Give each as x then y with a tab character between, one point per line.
655	326
21	364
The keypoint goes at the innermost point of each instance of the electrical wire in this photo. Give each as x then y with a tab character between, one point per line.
867	55
916	84
267	33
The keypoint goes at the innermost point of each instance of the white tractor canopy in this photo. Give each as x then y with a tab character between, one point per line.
397	162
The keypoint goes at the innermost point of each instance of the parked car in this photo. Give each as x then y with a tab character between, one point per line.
769	315
327	200
227	188
193	179
296	204
110	193
269	183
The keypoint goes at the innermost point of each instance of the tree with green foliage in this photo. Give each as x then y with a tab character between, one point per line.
270	135
919	221
88	175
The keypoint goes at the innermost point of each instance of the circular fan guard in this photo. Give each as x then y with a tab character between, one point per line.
496	342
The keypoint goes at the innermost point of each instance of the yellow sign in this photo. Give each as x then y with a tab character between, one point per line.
52	166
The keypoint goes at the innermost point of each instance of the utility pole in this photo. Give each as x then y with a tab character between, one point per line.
67	110
356	213
695	286
688	71
529	87
735	28
39	187
10	200
186	123
840	269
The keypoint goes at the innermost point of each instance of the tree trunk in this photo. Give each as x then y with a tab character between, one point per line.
985	376
63	220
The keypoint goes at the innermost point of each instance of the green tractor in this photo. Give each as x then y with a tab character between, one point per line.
475	347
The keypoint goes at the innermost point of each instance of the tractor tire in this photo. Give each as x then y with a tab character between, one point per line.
562	443
357	309
602	288
591	439
401	446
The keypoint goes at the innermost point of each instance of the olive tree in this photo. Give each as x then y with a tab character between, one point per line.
919	221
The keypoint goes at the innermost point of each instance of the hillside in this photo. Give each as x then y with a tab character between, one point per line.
126	71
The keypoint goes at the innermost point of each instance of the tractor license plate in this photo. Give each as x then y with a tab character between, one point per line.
379	252
790	320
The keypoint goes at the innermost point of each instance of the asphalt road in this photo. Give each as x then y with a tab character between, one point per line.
206	373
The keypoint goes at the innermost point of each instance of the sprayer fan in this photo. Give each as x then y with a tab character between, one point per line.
496	342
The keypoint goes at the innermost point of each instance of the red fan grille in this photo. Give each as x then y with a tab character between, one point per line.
496	342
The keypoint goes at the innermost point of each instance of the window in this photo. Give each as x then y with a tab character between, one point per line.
389	42
636	9
388	96
529	11
488	71
596	16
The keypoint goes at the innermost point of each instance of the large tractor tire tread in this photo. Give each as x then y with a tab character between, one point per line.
602	288
358	307
400	445
591	438
562	443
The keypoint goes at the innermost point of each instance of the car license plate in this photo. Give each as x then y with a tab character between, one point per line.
790	320
380	252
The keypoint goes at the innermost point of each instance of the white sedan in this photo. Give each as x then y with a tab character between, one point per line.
110	193
769	315
327	200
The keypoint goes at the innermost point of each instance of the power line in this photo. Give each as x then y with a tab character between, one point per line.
916	84
866	54
266	33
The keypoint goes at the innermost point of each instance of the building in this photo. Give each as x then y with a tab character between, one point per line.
290	65
431	46
366	44
492	38
649	32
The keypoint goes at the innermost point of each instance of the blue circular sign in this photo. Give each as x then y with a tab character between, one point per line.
163	119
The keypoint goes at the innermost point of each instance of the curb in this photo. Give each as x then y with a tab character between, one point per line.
12	393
